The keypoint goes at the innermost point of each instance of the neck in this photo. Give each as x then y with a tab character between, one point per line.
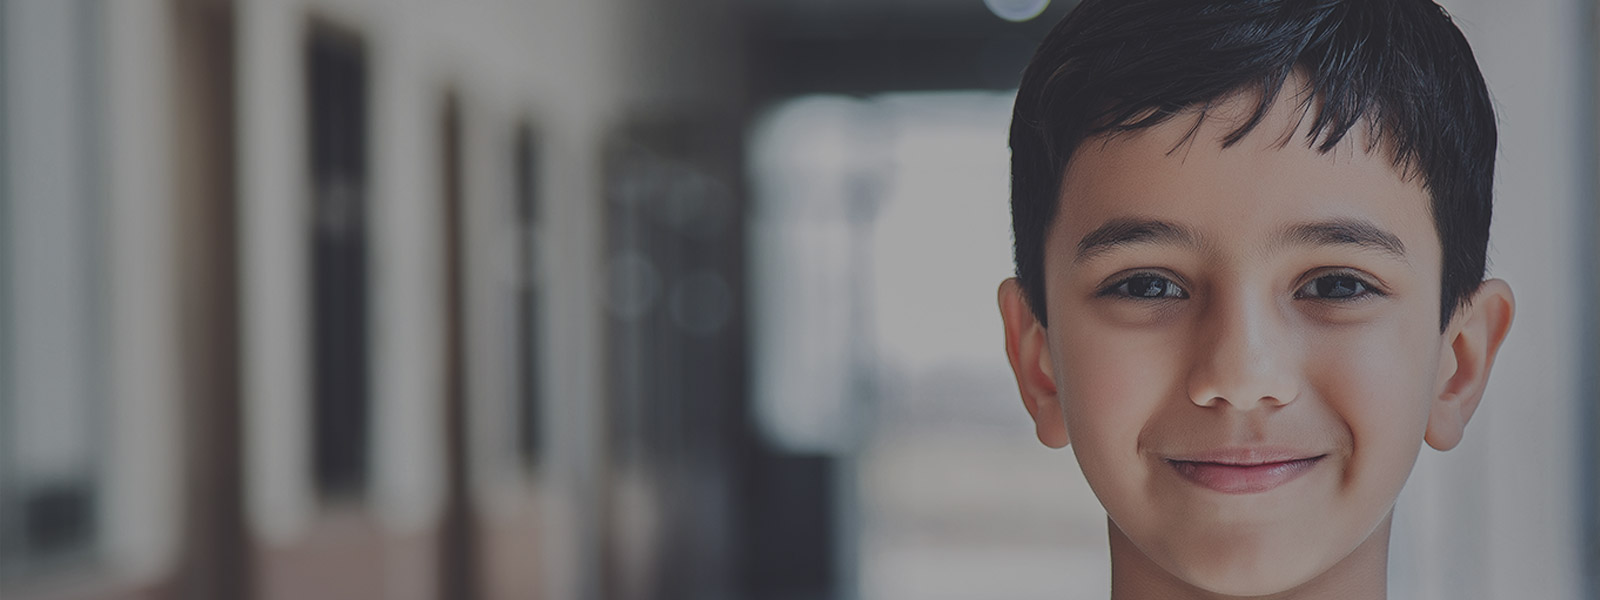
1361	575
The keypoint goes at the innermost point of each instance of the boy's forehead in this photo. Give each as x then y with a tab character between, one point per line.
1180	169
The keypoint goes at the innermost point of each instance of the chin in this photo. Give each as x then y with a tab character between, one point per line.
1247	585
1246	569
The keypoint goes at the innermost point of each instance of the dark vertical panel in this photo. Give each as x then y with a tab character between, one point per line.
458	544
214	560
336	78
529	363
675	355
792	526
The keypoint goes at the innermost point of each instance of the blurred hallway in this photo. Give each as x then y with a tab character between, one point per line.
619	299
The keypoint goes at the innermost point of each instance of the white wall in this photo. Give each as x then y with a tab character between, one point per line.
144	500
1499	516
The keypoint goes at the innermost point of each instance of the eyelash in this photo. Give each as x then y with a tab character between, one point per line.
1365	288
1123	288
1170	290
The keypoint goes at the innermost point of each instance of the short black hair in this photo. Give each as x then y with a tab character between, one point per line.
1399	67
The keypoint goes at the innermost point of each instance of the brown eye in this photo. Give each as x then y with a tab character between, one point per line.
1335	287
1146	287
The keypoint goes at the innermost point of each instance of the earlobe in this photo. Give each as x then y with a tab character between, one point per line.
1028	349
1473	340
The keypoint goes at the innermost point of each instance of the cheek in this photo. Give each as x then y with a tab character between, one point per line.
1379	382
1112	383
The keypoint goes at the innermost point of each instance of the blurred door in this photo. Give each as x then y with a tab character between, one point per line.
675	361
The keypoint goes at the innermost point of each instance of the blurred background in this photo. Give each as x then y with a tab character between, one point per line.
631	299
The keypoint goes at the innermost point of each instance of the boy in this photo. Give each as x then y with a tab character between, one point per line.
1250	240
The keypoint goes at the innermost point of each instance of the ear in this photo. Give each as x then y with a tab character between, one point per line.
1029	352
1474	337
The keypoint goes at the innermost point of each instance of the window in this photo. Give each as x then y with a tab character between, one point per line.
876	345
51	393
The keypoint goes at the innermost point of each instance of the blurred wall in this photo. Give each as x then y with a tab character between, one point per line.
1503	514
206	192
160	200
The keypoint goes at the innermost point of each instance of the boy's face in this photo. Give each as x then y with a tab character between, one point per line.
1264	304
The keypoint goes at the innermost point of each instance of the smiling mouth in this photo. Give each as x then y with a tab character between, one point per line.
1236	478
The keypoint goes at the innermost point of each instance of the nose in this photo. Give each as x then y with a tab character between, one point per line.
1243	355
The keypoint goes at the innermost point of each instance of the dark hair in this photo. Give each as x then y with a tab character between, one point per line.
1399	67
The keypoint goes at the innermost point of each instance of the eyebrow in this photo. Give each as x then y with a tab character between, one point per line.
1336	232
1122	232
1345	232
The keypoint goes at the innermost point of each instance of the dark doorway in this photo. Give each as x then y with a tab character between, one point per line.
336	97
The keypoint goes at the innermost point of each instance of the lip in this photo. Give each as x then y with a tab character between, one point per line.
1244	470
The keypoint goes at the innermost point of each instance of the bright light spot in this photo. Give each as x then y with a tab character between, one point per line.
1016	10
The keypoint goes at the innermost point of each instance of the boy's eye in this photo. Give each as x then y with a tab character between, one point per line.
1146	286
1337	286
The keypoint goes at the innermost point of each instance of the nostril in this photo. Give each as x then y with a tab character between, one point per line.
1213	400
